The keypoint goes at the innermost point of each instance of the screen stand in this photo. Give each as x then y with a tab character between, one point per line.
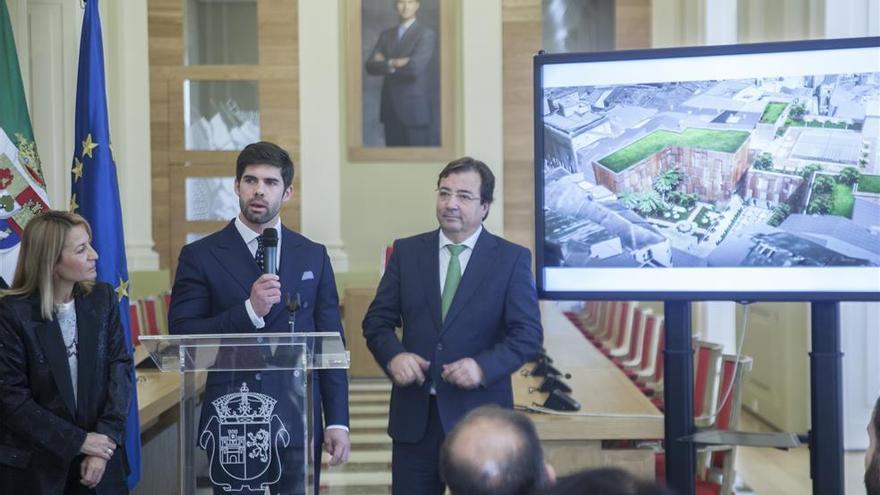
678	399
826	399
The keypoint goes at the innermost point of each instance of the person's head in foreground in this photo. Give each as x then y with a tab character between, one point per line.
605	481
494	451
872	456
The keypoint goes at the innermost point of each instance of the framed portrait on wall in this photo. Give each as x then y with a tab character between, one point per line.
401	80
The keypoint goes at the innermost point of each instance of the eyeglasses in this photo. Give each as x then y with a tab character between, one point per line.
446	195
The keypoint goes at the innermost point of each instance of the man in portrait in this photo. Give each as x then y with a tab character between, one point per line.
404	57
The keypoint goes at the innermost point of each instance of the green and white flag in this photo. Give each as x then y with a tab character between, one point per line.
22	188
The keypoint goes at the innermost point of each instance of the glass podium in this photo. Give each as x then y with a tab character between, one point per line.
247	408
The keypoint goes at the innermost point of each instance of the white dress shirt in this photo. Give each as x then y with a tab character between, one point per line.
250	239
463	257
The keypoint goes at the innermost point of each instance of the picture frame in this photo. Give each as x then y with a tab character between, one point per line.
405	113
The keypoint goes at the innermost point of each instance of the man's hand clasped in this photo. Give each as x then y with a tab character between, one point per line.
408	368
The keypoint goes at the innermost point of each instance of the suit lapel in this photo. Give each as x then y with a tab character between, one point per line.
231	246
49	335
479	265
429	272
87	325
293	265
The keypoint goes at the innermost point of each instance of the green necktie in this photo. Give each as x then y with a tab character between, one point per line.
453	277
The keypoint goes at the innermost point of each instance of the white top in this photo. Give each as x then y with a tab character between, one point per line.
66	315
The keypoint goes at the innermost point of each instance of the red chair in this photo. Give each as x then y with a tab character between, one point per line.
705	379
148	307
606	323
633	357
611	340
135	322
626	330
653	384
719	477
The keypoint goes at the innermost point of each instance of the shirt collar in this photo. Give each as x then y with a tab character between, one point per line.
470	242
403	26
249	235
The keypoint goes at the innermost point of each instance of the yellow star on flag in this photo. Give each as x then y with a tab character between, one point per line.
77	169
88	146
122	289
73	205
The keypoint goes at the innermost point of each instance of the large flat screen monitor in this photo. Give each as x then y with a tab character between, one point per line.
742	172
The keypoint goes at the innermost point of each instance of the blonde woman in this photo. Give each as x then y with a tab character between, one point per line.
65	375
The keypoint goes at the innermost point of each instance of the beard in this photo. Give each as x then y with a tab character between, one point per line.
259	218
872	475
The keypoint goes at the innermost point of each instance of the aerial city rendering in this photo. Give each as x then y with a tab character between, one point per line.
769	172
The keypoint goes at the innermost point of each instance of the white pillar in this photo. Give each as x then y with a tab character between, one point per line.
720	22
321	128
482	99
128	82
850	18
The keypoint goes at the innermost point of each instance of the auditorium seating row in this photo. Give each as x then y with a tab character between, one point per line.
632	336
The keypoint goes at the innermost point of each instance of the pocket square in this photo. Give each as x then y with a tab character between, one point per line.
308	275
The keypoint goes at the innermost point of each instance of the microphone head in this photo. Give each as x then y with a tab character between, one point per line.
270	237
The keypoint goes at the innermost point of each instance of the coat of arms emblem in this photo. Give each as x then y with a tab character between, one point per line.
243	441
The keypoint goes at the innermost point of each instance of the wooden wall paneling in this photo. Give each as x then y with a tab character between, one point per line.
277	75
521	38
632	27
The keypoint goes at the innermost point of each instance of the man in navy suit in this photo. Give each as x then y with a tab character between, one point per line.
404	56
220	288
469	310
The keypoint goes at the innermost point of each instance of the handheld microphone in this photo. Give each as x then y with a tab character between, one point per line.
270	251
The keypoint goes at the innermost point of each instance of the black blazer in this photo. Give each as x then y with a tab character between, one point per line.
41	428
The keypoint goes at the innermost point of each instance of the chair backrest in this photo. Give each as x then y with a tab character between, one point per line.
619	320
659	349
640	316
625	325
705	377
148	307
648	345
135	322
608	320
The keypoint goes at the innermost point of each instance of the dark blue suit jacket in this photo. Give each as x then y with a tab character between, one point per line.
406	91
494	319
214	278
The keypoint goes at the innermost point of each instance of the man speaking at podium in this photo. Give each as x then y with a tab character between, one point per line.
222	286
467	302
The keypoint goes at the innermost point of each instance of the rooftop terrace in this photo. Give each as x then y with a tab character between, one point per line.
706	139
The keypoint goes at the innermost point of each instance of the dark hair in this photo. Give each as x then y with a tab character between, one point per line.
872	474
265	153
518	471
605	481
468	164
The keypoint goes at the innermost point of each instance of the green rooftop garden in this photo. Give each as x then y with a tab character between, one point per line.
772	112
869	184
704	139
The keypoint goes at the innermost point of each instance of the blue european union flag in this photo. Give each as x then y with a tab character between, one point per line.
95	194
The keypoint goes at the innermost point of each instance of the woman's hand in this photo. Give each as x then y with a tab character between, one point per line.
98	445
92	470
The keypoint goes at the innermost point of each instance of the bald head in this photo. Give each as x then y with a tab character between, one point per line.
492	451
